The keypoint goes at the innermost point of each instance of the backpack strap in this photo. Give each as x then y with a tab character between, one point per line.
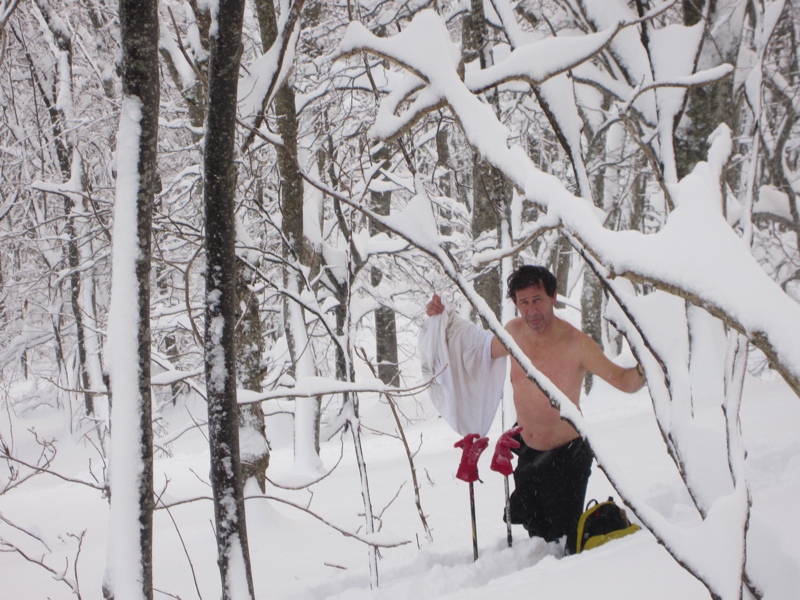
591	506
594	508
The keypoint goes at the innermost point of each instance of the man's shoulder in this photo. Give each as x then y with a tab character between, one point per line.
580	343
568	329
572	334
513	325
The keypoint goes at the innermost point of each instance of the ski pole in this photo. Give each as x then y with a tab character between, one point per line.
474	526
501	462
472	445
509	537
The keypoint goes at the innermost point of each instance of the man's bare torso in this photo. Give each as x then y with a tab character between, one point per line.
558	356
562	353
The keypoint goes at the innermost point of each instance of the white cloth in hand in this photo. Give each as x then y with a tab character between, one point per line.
468	382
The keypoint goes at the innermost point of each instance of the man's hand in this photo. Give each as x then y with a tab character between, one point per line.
435	306
501	461
472	446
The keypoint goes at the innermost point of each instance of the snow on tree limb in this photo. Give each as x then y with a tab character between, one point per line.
710	266
709	275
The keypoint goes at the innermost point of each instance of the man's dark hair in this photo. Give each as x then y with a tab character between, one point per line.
531	276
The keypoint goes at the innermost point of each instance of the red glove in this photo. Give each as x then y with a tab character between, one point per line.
501	461
472	445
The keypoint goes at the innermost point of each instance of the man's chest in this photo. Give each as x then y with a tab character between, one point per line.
555	361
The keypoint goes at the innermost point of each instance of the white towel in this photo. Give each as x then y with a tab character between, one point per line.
468	382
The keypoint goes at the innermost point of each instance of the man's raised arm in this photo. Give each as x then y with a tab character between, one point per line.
436	307
595	361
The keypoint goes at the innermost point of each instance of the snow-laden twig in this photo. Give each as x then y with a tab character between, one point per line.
377	541
26	532
323	386
160	502
70	581
42	468
409	456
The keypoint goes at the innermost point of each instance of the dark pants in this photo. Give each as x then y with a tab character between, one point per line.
550	486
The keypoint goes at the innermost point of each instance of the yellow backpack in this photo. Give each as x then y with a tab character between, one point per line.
601	523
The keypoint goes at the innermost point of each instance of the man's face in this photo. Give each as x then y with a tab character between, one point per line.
535	307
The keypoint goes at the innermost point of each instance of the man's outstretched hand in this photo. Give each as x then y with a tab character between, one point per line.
501	461
435	306
472	446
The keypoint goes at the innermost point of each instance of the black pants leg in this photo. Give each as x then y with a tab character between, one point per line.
550	487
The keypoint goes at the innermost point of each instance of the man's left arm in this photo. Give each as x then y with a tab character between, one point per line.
596	362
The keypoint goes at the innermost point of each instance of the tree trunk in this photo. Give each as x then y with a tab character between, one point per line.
591	314
164	283
75	294
250	372
307	410
385	324
64	147
220	313
491	191
711	104
560	265
131	534
255	457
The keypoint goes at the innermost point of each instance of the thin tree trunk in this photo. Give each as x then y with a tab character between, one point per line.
591	314
295	250
491	191
129	369
351	409
307	410
560	265
711	104
385	323
233	555
75	295
250	372
386	341
64	147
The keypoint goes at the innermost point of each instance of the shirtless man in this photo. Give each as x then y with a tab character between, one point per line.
554	462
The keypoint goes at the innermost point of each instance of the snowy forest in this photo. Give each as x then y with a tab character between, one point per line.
221	221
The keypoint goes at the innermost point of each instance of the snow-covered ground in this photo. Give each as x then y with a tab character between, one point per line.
295	556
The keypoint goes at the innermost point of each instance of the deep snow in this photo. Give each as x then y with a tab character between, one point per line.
297	557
